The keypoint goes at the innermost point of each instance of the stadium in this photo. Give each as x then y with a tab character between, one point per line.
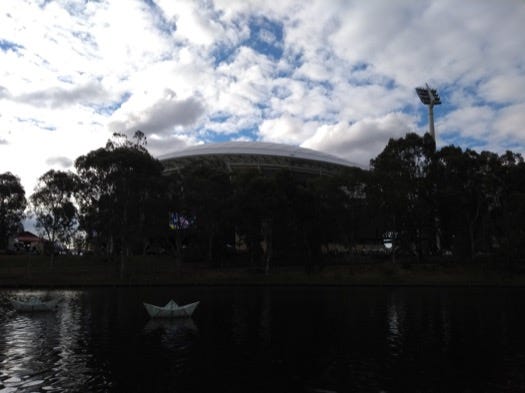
266	157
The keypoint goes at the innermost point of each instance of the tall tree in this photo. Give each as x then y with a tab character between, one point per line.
54	208
257	205
12	206
401	189
509	212
466	189
207	198
119	195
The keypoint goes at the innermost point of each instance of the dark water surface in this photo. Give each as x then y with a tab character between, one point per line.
268	340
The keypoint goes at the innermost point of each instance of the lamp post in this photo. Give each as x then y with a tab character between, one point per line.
429	97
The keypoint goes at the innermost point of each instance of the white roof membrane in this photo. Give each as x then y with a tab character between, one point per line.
257	148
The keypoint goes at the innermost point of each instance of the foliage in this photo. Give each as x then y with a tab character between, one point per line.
207	199
121	185
401	191
447	202
12	206
258	208
53	206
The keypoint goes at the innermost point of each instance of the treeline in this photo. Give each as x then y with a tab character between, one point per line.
421	202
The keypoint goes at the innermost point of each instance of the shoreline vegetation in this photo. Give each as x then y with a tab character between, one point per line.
24	271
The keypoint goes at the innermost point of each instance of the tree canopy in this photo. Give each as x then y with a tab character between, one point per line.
54	207
12	206
425	202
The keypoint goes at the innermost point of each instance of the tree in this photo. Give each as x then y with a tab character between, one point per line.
509	213
12	206
467	189
207	197
54	208
179	216
121	185
402	190
258	203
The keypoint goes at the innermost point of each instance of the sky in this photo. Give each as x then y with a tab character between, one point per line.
332	75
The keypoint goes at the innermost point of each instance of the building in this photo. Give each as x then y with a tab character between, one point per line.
263	156
27	242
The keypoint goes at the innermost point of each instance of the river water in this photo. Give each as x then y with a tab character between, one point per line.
259	339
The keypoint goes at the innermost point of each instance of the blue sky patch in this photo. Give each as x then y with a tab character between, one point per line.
266	37
112	107
6	46
455	138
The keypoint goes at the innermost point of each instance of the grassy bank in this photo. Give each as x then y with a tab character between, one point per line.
34	271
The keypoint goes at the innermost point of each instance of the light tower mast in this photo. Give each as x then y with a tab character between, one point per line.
429	97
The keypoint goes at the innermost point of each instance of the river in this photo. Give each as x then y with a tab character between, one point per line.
268	339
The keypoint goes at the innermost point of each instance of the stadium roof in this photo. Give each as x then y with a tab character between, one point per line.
257	154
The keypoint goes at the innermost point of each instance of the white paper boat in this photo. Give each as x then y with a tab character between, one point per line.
171	310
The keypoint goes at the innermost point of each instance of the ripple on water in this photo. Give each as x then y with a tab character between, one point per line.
46	351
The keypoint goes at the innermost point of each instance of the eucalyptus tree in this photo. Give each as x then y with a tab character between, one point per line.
54	208
509	214
179	216
207	200
401	188
258	208
119	195
466	192
12	206
350	215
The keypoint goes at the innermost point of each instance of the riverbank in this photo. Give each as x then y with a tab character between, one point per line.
38	271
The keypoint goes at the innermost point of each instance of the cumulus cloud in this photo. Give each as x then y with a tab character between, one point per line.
504	88
509	122
469	121
363	140
286	129
4	93
338	76
59	96
161	117
63	162
159	146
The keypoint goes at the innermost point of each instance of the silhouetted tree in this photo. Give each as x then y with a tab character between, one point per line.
12	205
54	208
258	207
179	217
207	197
120	189
465	187
509	212
400	187
348	216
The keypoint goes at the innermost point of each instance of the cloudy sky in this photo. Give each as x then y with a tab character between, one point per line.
336	76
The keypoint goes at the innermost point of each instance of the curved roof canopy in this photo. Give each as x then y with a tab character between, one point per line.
256	154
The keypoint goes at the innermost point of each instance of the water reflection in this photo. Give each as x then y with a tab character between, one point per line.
47	350
268	340
395	329
174	327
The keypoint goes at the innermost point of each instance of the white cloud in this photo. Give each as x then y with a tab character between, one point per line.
195	21
504	88
59	96
161	117
61	162
74	72
286	129
473	121
363	140
509	122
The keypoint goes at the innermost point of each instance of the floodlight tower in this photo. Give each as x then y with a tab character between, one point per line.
429	97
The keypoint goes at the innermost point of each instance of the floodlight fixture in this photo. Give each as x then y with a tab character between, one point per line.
429	97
